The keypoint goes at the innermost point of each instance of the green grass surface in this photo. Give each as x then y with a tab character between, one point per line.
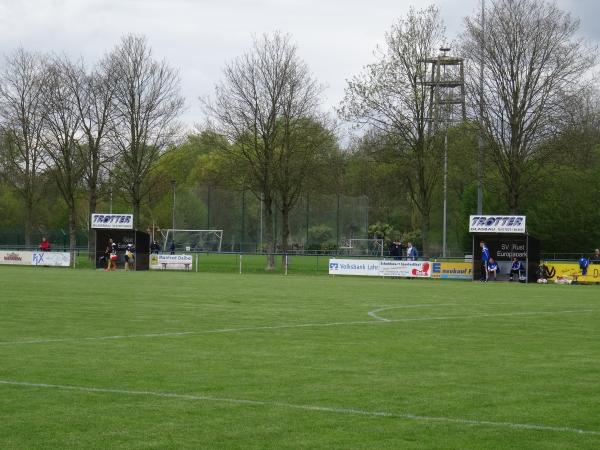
141	360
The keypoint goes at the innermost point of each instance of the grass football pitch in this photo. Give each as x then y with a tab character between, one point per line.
142	360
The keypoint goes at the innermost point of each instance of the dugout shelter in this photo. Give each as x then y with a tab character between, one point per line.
119	228
505	236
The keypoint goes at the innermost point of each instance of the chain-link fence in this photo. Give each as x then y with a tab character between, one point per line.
317	223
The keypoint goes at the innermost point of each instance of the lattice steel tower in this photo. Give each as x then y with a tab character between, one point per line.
446	82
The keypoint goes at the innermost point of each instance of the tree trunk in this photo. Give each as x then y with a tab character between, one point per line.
136	212
269	238
28	223
93	201
425	222
285	231
72	232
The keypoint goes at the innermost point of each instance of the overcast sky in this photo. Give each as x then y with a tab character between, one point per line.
198	37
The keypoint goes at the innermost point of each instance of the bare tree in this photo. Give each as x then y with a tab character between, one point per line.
61	126
259	106
531	61
21	119
392	96
93	95
147	103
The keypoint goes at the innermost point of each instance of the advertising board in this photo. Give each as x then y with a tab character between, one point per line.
112	221
408	269
364	267
572	272
24	258
452	270
497	224
170	262
54	259
16	258
380	268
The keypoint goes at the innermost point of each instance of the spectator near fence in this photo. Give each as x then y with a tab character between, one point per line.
44	245
595	258
411	252
396	249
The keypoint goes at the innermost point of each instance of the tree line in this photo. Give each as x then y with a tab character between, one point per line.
77	134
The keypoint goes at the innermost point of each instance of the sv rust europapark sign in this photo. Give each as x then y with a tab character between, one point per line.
497	224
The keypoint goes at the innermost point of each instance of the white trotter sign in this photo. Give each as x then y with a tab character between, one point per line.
497	224
112	221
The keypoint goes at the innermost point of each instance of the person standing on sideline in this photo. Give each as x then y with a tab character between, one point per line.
129	258
111	255
595	258
172	247
485	258
396	249
411	252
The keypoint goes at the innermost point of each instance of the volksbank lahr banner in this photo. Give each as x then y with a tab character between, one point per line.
497	224
112	221
380	268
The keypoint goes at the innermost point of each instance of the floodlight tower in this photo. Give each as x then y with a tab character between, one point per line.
446	85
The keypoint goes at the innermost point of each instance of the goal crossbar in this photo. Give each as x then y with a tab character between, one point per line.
173	232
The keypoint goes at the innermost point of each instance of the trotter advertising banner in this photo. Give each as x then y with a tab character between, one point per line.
497	224
112	221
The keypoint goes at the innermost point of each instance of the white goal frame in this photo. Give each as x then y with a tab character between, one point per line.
173	232
349	244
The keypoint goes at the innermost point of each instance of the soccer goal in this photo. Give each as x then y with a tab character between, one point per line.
193	240
357	247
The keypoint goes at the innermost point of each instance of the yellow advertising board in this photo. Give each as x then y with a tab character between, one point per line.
572	272
452	270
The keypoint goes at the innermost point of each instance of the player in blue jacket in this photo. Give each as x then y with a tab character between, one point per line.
492	268
516	269
485	257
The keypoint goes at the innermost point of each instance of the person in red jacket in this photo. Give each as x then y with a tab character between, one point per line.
44	245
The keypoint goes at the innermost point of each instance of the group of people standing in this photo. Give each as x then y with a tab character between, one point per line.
110	254
490	269
397	251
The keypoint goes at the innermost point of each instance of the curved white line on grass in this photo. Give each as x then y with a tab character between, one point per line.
291	326
374	315
317	408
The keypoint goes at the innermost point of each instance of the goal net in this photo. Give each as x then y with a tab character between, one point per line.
364	247
192	240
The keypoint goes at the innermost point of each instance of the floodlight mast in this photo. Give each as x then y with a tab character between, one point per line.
173	185
480	137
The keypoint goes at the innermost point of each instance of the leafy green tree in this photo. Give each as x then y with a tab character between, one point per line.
392	96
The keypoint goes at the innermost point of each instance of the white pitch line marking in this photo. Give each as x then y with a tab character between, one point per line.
374	315
317	408
291	326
